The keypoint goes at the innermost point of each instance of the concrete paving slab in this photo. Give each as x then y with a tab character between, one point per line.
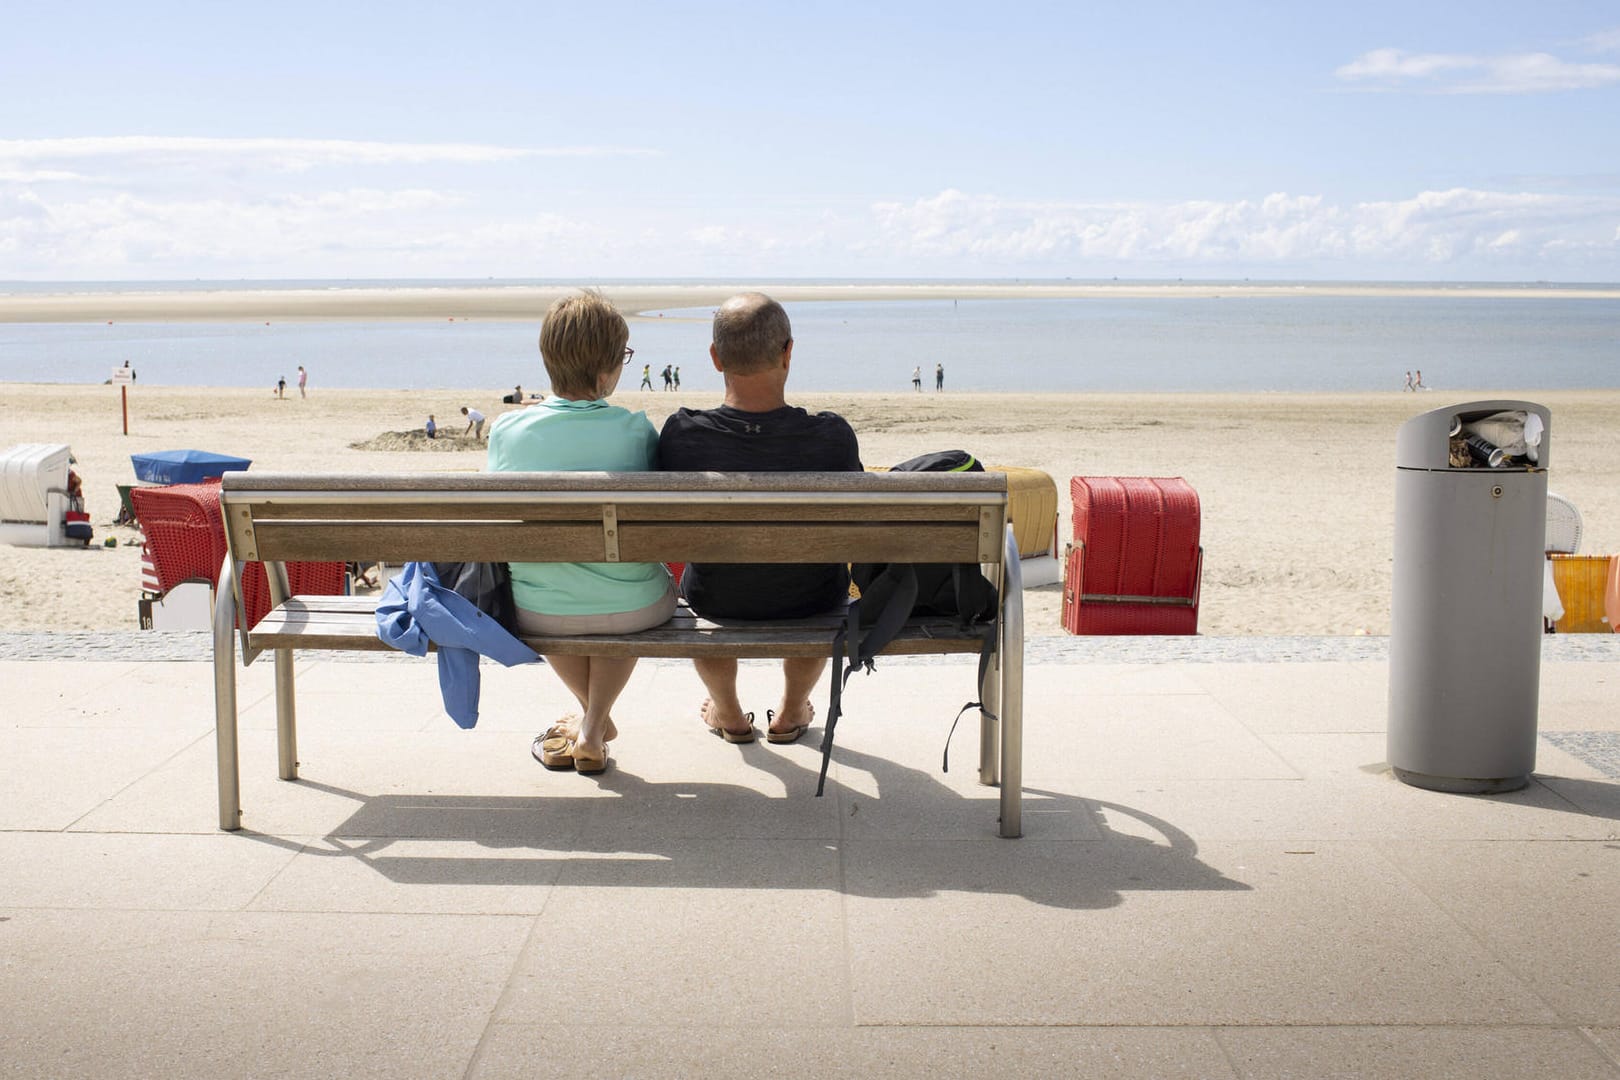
402	696
1345	697
1608	1041
704	933
763	1049
121	695
1329	755
1435	1053
1545	910
1273	903
1365	807
53	777
135	871
187	994
1131	933
448	784
1600	798
403	876
1579	697
1181	737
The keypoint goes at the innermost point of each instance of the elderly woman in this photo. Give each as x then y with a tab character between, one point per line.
582	342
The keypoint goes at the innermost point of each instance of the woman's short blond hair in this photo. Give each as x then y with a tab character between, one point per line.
582	336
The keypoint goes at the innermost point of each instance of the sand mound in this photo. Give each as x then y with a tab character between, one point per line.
418	440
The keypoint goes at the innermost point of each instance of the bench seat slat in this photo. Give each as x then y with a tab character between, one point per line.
316	622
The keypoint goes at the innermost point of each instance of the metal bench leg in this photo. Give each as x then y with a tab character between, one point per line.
1012	692
286	706
230	782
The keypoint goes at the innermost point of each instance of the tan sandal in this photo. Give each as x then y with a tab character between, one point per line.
730	736
791	734
559	729
560	753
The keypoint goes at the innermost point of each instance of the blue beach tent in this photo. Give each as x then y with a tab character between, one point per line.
184	466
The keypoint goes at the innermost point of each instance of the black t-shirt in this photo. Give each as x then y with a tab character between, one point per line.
788	439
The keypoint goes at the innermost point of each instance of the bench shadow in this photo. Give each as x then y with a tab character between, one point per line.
1090	865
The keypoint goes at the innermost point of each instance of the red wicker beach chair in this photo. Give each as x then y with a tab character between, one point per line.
185	541
1135	564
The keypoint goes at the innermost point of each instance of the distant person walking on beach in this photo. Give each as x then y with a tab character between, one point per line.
303	380
475	422
1408	385
646	377
281	386
668	378
432	428
131	371
939	376
1417	384
677	376
916	378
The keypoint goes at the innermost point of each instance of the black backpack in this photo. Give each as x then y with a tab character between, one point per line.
891	593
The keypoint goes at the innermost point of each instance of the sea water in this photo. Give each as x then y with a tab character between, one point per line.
1232	344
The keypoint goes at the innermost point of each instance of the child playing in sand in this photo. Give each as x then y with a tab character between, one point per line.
582	343
432	428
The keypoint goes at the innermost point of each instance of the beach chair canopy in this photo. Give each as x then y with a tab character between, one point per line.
184	466
27	472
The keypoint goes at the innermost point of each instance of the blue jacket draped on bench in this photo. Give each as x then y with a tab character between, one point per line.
416	610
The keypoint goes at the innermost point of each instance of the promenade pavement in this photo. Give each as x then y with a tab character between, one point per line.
1219	877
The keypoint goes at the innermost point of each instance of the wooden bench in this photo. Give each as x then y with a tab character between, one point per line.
613	517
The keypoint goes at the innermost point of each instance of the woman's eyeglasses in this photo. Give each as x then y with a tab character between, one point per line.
629	354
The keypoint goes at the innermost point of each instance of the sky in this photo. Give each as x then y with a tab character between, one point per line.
1462	141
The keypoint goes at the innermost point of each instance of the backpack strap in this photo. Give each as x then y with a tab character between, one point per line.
893	592
987	648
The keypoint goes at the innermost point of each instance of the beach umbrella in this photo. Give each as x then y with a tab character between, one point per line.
184	466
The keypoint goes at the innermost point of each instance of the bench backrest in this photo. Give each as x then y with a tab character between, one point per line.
617	517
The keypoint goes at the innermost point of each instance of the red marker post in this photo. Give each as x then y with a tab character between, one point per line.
122	377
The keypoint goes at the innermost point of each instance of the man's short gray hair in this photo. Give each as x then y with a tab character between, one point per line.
751	331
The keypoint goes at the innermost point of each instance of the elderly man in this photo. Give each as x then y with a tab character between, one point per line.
756	430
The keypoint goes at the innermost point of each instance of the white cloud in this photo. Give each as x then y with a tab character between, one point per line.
1513	73
36	176
1603	40
1428	232
285	154
1392	64
373	231
125	235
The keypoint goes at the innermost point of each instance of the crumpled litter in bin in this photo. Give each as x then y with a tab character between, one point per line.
1516	432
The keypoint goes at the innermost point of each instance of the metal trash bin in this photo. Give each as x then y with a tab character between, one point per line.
1465	617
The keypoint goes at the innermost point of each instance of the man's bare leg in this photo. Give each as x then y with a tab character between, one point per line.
723	709
799	677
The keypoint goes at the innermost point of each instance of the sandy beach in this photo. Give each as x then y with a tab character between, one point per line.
1297	489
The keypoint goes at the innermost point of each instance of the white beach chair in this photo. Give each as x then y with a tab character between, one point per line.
34	498
1563	538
